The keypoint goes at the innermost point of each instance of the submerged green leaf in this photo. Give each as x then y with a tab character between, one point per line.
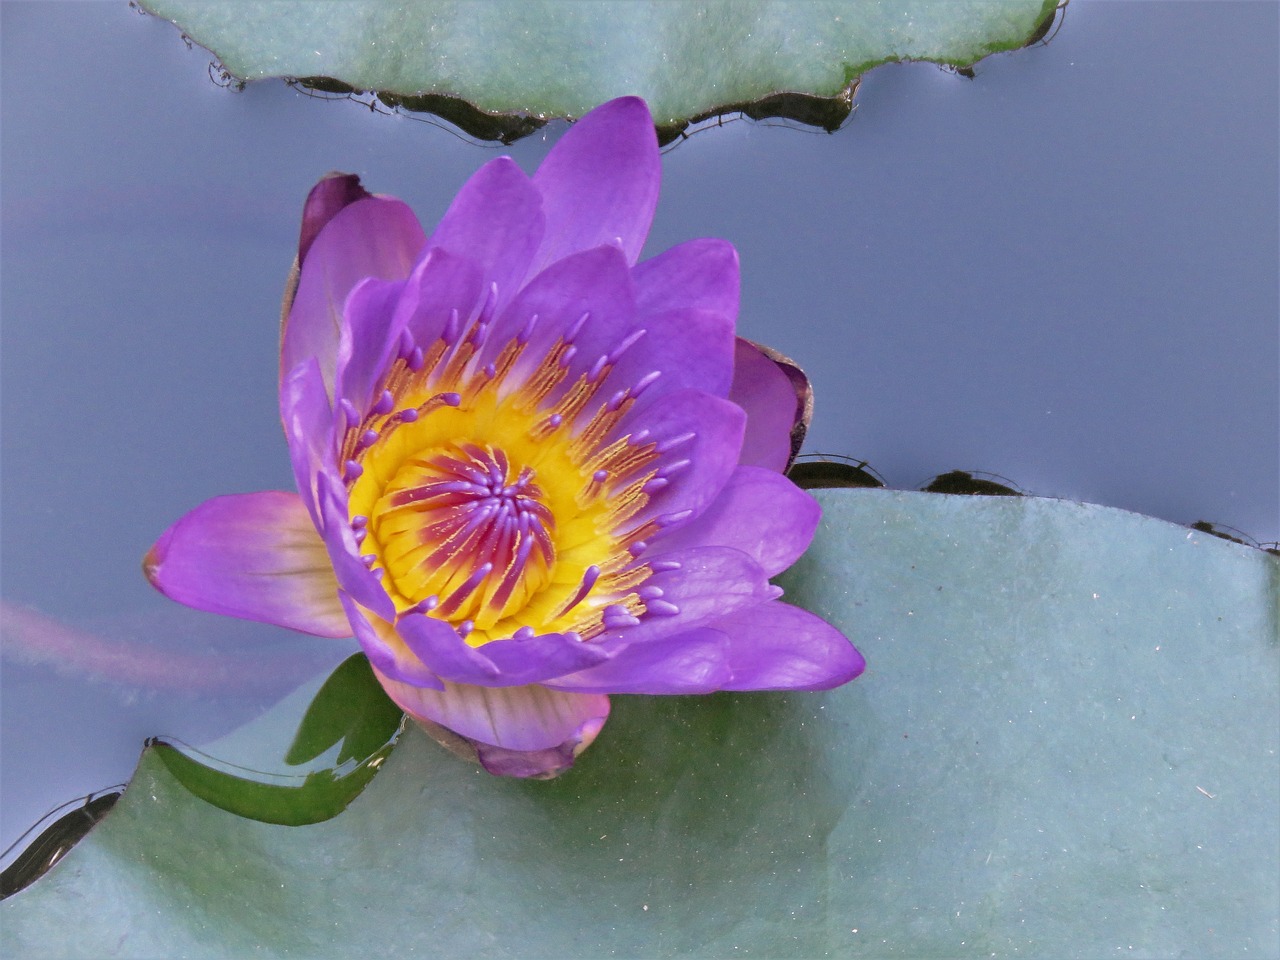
547	58
350	711
1065	744
350	717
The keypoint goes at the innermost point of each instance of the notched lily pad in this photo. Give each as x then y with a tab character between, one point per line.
1064	744
500	69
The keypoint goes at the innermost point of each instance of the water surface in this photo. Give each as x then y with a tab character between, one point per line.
1063	271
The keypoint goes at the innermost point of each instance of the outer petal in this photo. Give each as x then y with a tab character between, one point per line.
255	556
496	222
702	274
764	391
374	237
759	512
694	662
499	663
519	731
776	646
600	182
327	199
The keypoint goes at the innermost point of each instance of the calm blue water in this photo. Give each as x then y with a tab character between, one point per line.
1064	271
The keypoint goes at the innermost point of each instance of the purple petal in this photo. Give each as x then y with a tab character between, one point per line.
354	577
326	199
595	283
599	184
699	273
499	663
375	237
256	556
703	584
776	646
686	302
496	222
763	390
693	662
441	284
385	650
308	428
524	719
759	512
685	347
370	339
703	435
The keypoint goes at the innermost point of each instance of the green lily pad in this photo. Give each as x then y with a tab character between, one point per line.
559	58
1065	745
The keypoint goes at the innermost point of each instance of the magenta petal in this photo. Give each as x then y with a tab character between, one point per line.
530	718
326	199
759	512
496	222
255	556
600	182
767	395
693	662
374	237
776	646
702	274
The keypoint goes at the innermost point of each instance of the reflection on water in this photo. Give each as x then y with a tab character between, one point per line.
1063	270
45	843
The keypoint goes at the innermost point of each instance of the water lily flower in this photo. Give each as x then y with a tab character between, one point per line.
532	471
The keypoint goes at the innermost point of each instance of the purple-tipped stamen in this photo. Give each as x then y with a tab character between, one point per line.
589	578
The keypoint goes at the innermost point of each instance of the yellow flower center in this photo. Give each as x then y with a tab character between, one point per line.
493	501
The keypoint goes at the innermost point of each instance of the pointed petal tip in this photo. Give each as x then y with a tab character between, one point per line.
152	561
632	107
334	191
847	665
256	556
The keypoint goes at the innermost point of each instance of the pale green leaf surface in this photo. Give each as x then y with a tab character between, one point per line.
562	57
1051	686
